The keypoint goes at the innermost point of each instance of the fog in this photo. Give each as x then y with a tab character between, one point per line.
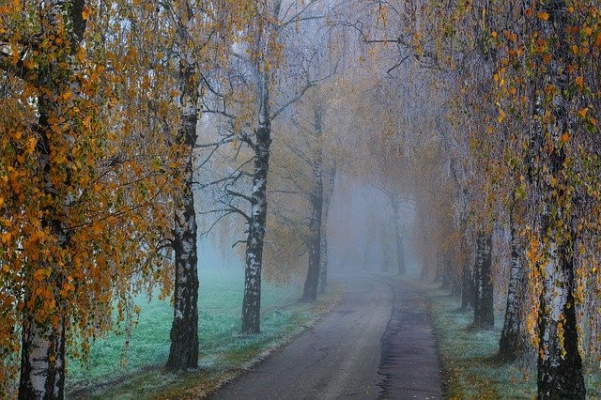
361	229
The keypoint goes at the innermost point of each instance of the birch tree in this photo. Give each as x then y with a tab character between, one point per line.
81	203
259	63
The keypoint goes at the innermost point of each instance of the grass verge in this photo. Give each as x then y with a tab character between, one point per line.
139	374
471	368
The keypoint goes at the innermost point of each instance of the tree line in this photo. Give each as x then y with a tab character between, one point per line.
511	169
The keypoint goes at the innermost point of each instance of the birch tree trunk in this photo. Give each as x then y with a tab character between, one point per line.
467	288
467	279
43	359
511	344
312	280
251	302
323	258
317	207
400	249
183	352
327	195
43	341
560	373
483	301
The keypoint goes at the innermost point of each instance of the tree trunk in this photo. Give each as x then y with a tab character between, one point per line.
183	353
484	317
43	342
467	288
251	303
44	331
467	278
400	249
560	373
323	261
327	195
312	280
442	270
511	344
453	278
43	359
317	207
559	363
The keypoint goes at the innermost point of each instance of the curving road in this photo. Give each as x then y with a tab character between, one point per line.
369	347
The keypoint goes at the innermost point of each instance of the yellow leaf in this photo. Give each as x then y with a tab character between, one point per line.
583	112
39	274
86	121
1	201
501	116
575	49
97	228
6	237
85	14
564	137
29	64
542	15
81	54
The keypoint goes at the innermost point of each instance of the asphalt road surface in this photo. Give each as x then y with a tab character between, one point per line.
376	344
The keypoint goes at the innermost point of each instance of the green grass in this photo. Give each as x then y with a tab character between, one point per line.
472	370
110	373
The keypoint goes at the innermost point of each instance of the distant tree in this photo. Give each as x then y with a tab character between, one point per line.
316	207
256	64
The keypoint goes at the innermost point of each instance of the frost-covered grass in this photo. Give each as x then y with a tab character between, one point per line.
469	357
138	373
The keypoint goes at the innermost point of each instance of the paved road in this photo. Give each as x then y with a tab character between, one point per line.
350	353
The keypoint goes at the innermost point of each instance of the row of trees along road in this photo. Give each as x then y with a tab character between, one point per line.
518	165
99	155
